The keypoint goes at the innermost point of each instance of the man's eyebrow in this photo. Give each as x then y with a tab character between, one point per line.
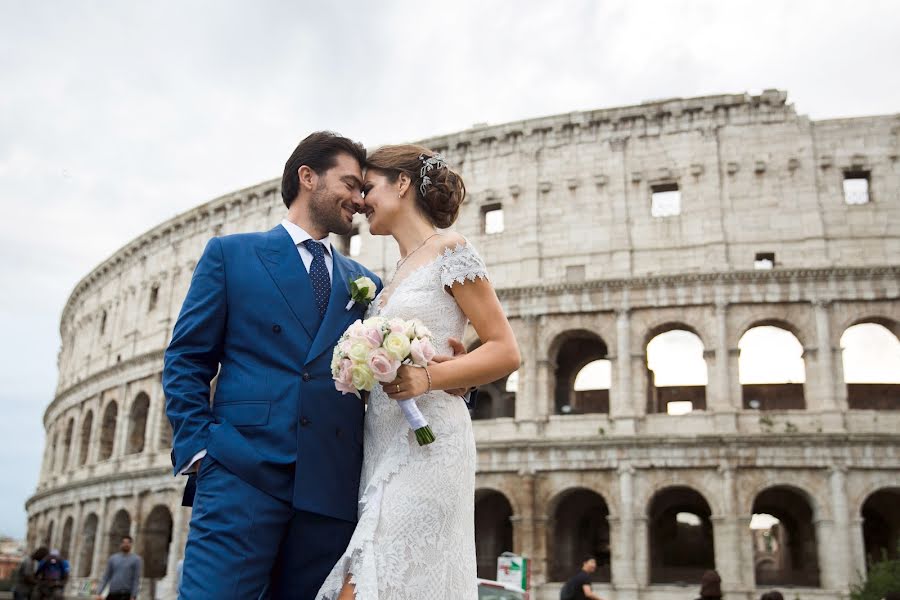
352	179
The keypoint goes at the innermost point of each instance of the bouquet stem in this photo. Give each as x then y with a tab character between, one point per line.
416	421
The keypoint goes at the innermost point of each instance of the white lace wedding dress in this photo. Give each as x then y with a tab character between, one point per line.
416	533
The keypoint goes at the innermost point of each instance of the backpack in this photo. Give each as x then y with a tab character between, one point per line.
51	569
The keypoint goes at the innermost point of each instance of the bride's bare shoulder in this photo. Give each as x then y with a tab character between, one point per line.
449	240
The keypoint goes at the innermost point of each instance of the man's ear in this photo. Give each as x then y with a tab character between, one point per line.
405	182
309	179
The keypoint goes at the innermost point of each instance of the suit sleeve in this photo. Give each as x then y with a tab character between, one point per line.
192	358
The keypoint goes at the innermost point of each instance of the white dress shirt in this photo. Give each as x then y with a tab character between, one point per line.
299	235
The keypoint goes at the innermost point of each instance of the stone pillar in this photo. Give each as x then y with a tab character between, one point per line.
641	554
720	398
529	397
622	404
745	540
827	553
101	539
858	549
838	545
727	535
623	550
523	522
122	422
541	570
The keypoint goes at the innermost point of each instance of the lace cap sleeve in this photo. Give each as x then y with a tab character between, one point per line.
461	264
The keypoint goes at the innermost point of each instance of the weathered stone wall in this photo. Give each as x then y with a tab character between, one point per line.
580	253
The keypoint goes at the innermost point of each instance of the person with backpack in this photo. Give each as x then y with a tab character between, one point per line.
51	574
579	586
24	575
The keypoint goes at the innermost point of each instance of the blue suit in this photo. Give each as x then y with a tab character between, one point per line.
276	497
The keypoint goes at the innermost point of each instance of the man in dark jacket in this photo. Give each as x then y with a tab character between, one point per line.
710	586
25	574
579	586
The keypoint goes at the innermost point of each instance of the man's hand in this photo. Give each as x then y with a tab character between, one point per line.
458	350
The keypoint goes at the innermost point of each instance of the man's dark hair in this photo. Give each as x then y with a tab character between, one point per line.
318	151
129	538
40	553
588	557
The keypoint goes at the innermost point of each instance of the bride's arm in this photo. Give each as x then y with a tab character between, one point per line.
497	356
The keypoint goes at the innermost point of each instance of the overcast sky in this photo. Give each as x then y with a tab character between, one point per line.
115	116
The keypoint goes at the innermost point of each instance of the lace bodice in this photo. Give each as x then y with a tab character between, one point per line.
415	537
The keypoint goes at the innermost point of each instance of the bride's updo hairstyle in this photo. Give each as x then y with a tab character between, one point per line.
439	190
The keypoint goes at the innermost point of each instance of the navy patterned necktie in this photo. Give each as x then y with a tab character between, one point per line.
318	275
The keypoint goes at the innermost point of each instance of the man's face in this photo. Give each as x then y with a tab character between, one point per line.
126	545
338	196
589	566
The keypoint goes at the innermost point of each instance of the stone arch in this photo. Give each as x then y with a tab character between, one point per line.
67	443
881	525
119	527
575	350
771	367
578	527
496	399
53	445
803	336
48	534
65	545
87	424
137	424
88	541
680	535
786	536
156	539
676	369
493	529
870	351
108	430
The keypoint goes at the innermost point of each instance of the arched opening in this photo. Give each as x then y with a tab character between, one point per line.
85	443
88	539
156	538
881	526
579	528
493	530
582	374
871	357
67	444
53	446
108	431
496	399
784	539
137	424
681	536
121	526
771	369
677	373
65	545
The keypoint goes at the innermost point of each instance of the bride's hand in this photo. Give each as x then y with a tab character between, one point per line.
458	350
410	382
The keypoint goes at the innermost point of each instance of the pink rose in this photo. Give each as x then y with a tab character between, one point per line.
384	366
357	332
422	351
373	336
397	326
344	380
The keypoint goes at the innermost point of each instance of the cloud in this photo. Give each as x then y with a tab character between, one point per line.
116	116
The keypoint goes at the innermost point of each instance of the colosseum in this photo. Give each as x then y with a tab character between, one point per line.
706	295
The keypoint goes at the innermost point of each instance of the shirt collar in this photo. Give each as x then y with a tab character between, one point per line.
299	235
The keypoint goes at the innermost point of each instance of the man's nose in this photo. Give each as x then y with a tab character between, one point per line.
358	201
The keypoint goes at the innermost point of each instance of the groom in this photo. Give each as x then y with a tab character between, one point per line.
278	455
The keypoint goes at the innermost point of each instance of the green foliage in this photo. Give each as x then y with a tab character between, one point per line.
883	577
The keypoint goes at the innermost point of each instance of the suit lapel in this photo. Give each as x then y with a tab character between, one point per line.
280	258
336	316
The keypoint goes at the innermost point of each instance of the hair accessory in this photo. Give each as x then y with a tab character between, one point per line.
435	161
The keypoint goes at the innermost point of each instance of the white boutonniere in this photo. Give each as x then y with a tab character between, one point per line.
362	290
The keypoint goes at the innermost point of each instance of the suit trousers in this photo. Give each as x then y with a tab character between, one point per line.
244	544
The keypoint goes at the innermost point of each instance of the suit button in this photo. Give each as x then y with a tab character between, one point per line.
306	376
304	421
276	328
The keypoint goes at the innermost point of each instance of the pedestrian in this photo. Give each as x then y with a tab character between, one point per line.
772	595
51	576
123	574
710	586
24	575
579	586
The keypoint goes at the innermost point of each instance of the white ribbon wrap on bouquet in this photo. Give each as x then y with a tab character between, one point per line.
412	413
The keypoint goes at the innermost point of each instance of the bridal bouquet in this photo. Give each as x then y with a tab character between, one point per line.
372	351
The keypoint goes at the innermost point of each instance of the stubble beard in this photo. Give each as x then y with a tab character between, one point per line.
325	211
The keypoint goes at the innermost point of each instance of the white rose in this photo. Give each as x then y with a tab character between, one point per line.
359	352
397	345
363	379
367	284
421	330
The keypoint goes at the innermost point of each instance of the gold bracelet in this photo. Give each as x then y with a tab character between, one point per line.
428	374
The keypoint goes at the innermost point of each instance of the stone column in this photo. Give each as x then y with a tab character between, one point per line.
726	534
858	550
122	422
720	397
622	404
101	539
623	554
529	397
838	545
641	554
746	552
540	573
523	522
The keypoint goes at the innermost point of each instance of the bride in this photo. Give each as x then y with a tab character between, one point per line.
415	537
